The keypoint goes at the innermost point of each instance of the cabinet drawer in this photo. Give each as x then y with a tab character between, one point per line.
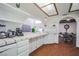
11	50
22	43
7	47
24	48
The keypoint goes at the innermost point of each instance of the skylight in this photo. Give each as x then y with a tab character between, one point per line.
74	7
48	8
42	4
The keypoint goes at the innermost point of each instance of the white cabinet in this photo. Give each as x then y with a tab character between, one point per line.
22	43
46	40
32	45
23	48
49	39
43	40
3	54
35	43
19	48
10	50
39	42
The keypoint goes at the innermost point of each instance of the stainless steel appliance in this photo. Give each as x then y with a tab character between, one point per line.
11	33
2	35
19	32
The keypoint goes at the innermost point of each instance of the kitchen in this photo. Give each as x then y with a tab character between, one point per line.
14	42
24	27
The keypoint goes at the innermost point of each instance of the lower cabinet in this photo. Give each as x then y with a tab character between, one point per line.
25	53
49	39
39	43
23	48
10	50
35	43
17	49
32	46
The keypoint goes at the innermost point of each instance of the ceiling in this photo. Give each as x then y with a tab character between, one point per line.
31	8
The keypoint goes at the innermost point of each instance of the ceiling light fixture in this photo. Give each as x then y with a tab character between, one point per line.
18	5
68	19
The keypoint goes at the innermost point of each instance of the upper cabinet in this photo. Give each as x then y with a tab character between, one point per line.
22	7
12	13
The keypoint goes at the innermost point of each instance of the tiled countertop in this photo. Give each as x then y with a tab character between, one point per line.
27	35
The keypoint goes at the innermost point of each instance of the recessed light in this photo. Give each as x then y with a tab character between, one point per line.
68	19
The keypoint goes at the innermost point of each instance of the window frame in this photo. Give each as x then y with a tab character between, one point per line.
46	12
71	4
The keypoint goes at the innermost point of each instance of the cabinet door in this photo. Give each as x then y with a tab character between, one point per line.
38	43
30	48
11	52
33	46
3	54
42	40
46	39
22	43
22	49
49	39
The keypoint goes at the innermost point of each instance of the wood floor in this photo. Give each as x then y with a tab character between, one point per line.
62	49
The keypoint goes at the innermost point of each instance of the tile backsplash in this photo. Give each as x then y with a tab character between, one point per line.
13	25
9	25
26	28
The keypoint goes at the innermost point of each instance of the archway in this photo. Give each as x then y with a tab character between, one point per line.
67	30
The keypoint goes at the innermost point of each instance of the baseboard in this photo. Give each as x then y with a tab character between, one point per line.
50	43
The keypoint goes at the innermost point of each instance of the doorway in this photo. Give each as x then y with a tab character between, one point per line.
67	31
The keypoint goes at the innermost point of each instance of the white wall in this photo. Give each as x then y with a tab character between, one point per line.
9	25
72	28
11	14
